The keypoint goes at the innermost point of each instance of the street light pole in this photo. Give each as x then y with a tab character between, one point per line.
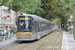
73	18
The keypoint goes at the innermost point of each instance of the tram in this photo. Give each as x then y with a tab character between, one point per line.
32	27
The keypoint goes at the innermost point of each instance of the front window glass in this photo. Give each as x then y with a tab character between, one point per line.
24	25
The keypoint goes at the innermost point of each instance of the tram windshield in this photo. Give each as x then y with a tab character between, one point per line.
24	26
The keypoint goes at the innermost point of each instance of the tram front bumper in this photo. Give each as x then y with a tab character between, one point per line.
28	38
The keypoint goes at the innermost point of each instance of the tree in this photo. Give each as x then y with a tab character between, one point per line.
57	9
26	6
3	2
31	7
51	10
66	7
15	5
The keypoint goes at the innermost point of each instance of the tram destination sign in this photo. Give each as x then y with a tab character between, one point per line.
24	18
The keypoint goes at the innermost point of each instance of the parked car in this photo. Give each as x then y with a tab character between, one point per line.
3	32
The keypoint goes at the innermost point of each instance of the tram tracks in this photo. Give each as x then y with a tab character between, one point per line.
57	42
23	46
36	45
44	42
16	46
53	48
11	45
19	46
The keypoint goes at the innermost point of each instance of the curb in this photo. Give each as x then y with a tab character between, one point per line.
7	42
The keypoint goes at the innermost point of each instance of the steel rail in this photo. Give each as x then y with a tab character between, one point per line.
44	42
24	46
57	42
11	45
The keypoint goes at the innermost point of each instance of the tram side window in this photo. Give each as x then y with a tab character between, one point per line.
39	26
45	26
48	26
51	26
42	26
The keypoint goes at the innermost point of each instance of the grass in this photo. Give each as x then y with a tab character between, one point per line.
49	45
0	48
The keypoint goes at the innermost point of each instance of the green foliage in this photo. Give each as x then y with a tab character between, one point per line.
12	28
26	6
56	21
66	6
57	8
3	2
14	5
31	7
51	10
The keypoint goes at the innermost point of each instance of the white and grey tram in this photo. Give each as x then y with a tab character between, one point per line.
32	27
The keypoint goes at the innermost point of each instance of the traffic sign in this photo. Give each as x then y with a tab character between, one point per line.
69	19
71	15
8	17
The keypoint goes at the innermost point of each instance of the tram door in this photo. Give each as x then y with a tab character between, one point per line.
35	27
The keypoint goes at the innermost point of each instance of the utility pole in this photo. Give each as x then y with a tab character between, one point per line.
73	18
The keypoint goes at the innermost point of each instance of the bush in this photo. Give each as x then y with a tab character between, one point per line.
11	29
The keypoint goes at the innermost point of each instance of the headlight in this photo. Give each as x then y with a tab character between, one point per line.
31	33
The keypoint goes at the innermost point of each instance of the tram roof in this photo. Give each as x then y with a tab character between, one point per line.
37	17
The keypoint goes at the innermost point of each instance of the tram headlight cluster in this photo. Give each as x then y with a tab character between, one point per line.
31	33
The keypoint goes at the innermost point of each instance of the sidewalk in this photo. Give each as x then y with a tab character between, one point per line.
7	42
68	42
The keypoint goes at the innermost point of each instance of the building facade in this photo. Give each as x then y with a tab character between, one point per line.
3	18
